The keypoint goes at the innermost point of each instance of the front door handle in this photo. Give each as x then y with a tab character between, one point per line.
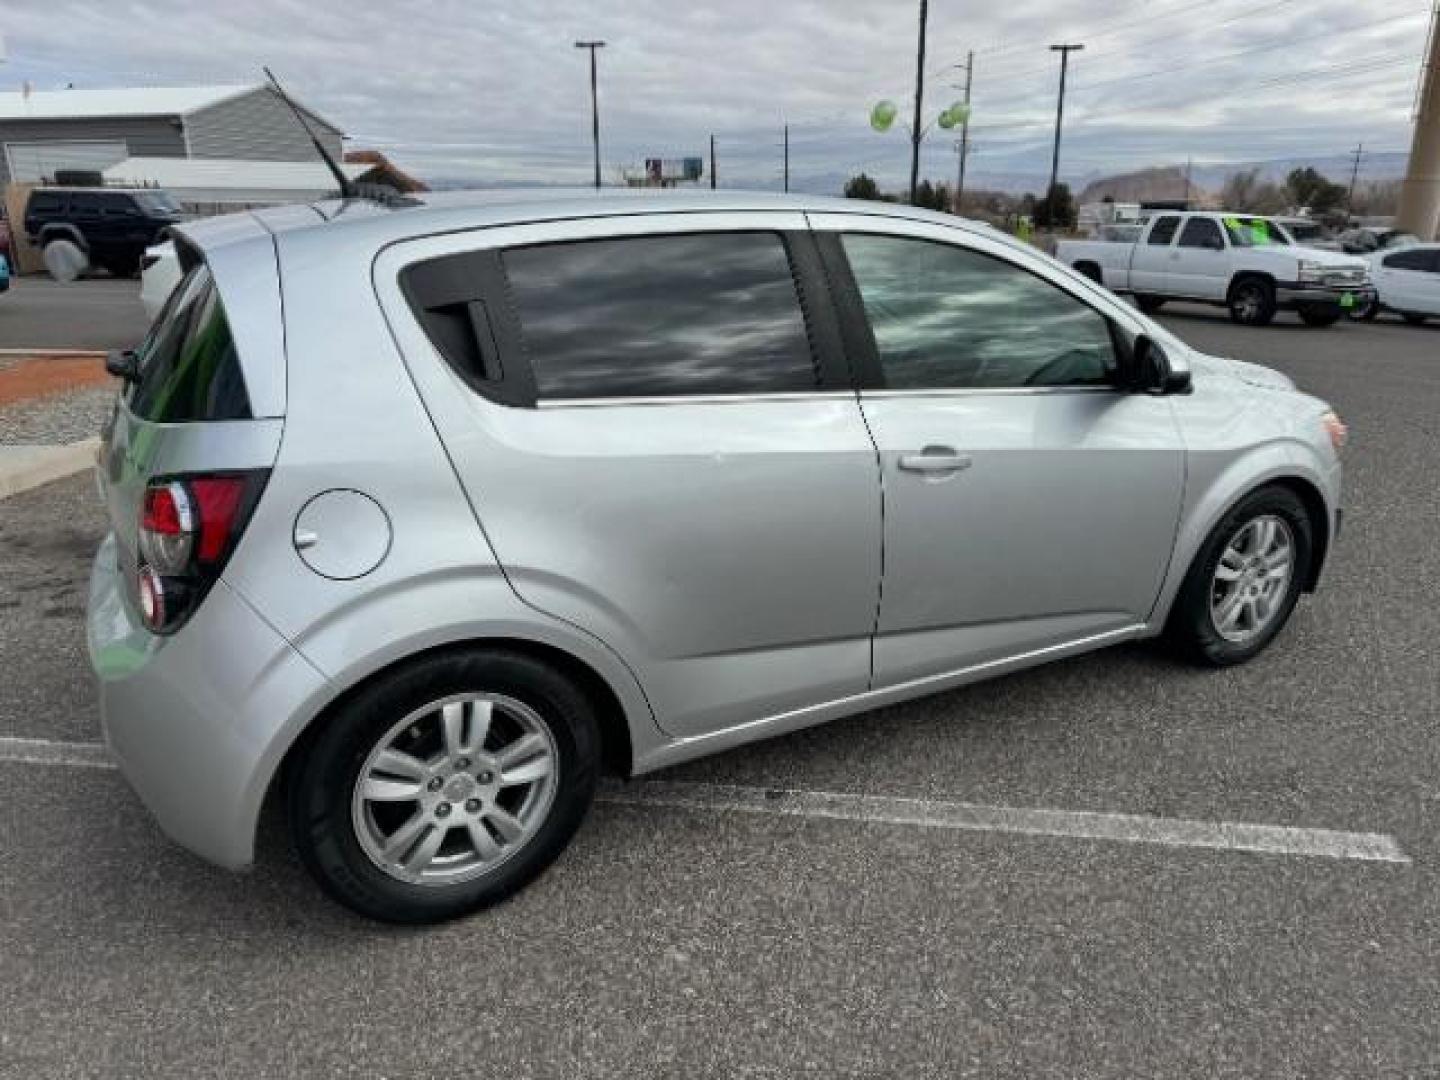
935	459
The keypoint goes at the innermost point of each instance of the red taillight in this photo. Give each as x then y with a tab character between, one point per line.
188	527
217	503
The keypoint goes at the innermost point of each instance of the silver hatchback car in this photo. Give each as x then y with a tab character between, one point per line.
425	515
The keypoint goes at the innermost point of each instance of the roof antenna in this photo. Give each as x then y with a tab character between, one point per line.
346	191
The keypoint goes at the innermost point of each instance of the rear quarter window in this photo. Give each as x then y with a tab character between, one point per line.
189	369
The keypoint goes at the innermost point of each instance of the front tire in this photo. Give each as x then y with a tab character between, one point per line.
1252	302
444	786
1245	580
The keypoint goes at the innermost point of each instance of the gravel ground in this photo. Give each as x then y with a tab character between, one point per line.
56	418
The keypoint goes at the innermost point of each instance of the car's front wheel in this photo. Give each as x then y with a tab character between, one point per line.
1252	302
1245	579
444	786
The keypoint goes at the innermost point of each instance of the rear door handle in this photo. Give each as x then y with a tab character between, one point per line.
935	459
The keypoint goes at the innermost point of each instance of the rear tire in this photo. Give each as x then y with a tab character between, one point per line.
65	261
405	806
1413	319
1326	315
1199	627
1252	302
1149	304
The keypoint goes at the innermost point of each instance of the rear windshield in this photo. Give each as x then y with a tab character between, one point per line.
189	370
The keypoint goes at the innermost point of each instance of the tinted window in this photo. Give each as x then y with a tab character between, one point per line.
706	313
161	202
189	370
1409	260
944	316
84	204
44	203
1164	230
1255	232
1201	233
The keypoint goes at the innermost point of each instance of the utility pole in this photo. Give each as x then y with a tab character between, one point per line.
1189	167
916	133
712	162
1357	154
1420	193
594	104
787	157
965	130
1064	51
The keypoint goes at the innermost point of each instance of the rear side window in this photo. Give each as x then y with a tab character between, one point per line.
661	316
1410	260
1201	233
44	203
1163	231
189	370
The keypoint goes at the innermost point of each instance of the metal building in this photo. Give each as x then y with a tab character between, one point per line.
42	131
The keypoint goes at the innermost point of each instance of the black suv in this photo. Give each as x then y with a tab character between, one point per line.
111	226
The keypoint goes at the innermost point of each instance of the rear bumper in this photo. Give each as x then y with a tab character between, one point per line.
192	720
1294	294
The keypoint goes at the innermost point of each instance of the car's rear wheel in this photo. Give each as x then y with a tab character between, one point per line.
445	786
1149	304
1413	319
1245	580
1252	302
1320	315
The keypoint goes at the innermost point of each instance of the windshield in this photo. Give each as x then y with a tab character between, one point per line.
161	202
1247	232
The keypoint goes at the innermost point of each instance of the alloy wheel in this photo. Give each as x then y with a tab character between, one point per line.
455	788
1252	578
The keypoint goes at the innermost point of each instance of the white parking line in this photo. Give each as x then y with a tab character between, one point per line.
47	752
916	813
936	814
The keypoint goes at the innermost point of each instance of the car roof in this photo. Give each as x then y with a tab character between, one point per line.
380	222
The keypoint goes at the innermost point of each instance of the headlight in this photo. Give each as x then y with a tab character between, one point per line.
1311	271
1336	429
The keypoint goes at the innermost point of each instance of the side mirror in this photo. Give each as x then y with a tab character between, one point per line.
1150	371
122	363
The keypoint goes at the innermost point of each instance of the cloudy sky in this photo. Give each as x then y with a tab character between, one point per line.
486	91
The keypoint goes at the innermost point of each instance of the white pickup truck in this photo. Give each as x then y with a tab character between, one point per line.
1247	263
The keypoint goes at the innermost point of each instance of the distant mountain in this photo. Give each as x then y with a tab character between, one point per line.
1160	182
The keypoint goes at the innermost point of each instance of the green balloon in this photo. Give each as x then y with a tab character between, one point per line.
960	112
882	116
947	120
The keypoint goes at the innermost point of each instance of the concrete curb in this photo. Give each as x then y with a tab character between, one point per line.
26	467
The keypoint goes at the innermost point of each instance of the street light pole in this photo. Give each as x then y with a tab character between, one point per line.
915	131
965	130
1064	51
594	103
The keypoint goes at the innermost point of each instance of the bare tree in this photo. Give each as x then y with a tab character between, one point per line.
1247	192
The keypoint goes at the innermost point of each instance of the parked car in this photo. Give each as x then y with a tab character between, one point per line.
4	274
1407	282
1307	232
76	227
421	518
159	274
1366	240
1246	263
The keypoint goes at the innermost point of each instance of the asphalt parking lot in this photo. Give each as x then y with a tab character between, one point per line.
95	313
705	941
